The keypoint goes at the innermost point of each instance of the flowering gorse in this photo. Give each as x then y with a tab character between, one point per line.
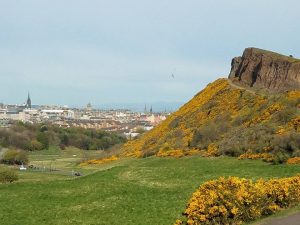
236	200
100	161
294	160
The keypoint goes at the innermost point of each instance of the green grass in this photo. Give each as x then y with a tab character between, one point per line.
129	191
63	162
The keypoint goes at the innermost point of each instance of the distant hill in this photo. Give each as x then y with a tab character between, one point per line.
256	110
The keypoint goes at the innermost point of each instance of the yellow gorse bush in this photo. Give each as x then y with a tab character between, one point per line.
236	200
174	153
294	160
100	161
295	124
266	114
265	156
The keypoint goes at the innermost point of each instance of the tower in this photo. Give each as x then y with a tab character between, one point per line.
145	109
28	102
151	110
89	107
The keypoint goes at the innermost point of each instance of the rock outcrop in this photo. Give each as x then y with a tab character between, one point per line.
264	69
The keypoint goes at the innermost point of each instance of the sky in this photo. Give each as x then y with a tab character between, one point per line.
71	52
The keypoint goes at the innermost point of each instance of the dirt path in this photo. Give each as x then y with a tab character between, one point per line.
242	88
289	220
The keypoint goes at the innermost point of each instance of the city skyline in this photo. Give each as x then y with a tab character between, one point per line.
139	107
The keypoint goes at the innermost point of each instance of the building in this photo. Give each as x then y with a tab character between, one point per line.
89	107
28	102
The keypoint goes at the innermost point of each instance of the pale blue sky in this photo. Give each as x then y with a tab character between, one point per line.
76	51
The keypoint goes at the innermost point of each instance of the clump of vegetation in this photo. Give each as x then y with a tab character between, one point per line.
14	157
34	137
294	160
265	156
174	153
235	121
235	200
8	175
100	161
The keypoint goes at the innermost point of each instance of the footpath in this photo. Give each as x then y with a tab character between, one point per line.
289	220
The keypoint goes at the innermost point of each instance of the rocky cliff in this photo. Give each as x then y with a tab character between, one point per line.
264	69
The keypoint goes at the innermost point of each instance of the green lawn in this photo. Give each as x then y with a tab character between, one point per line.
62	163
150	191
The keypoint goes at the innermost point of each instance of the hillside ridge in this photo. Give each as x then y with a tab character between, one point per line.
228	117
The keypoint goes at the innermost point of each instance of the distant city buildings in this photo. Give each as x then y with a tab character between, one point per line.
123	121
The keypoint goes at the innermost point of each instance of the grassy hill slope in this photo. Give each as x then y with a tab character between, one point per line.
135	191
226	119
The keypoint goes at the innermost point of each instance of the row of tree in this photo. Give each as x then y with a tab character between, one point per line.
32	137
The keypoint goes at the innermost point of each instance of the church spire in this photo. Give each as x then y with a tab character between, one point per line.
28	102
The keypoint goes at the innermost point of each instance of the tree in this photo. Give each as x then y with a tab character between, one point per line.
34	145
43	138
13	156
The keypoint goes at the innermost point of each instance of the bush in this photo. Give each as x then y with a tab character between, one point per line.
100	161
8	175
280	157
43	138
289	142
62	147
13	157
235	200
294	160
34	145
285	115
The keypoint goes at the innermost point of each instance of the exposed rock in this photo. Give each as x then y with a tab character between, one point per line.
264	69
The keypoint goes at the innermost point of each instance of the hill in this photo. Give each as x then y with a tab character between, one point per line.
232	116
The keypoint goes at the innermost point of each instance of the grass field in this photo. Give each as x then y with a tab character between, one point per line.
61	164
129	191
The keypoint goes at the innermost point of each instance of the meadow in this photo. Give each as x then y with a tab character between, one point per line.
129	191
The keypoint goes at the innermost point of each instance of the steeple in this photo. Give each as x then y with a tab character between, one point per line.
89	107
151	109
145	109
28	102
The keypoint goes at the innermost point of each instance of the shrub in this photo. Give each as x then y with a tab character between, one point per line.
265	156
280	157
285	115
177	153
43	138
235	200
287	142
34	145
294	160
8	175
100	161
13	157
62	146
